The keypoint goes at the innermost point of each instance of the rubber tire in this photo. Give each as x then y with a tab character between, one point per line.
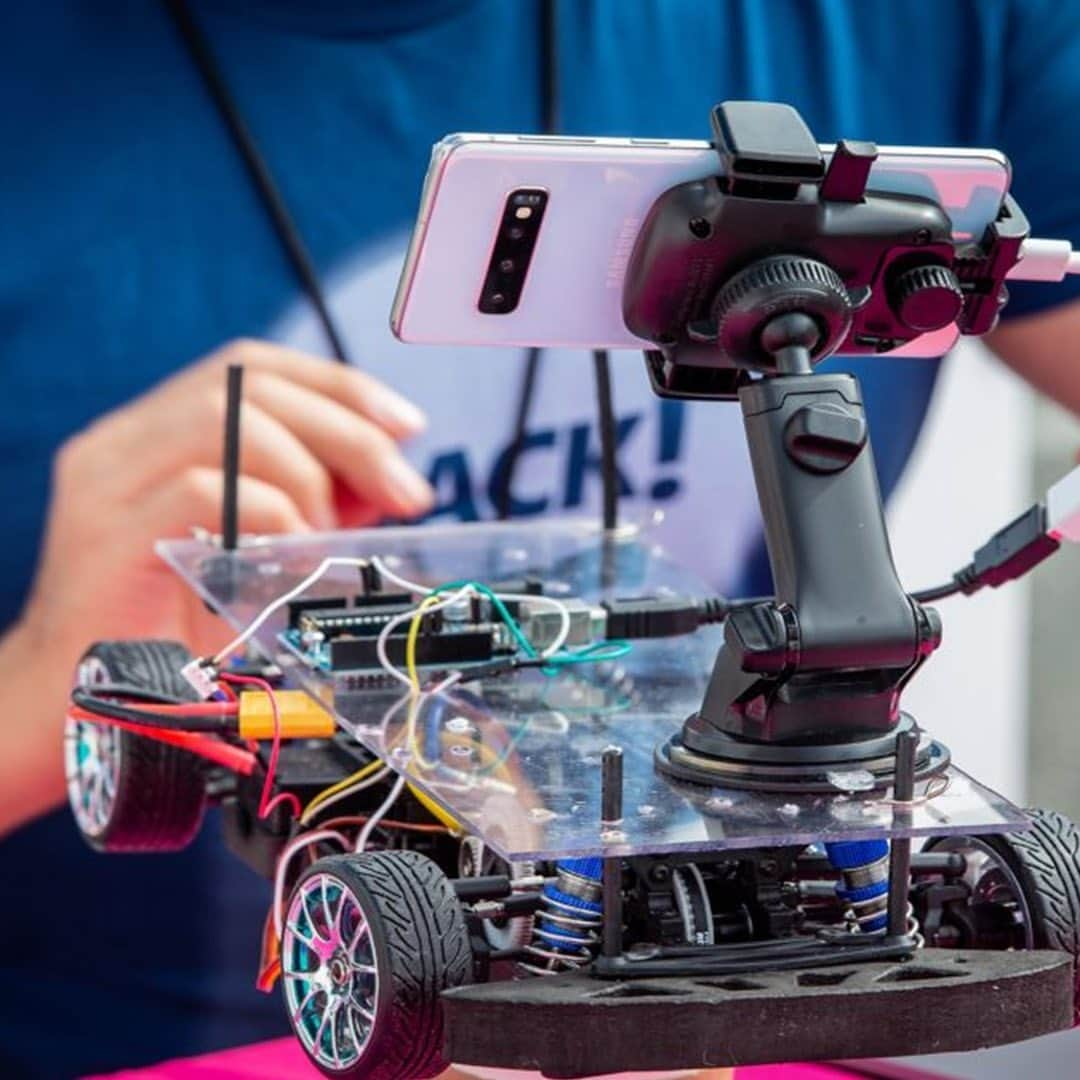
161	789
421	948
1046	861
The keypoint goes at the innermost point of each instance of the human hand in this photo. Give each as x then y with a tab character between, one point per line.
319	449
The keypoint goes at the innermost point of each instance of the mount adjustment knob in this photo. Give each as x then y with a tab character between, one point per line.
824	438
927	298
772	287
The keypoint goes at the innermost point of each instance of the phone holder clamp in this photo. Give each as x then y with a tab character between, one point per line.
746	281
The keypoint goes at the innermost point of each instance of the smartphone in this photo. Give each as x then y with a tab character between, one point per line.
523	240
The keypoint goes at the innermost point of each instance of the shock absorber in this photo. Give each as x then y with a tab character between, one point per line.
864	884
567	927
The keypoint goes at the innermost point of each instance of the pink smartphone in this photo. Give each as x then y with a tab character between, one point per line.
523	240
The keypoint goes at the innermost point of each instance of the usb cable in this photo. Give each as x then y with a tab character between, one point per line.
1022	544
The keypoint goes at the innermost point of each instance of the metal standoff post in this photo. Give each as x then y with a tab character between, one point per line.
611	815
900	848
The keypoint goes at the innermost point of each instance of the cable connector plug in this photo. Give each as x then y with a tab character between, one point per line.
299	716
201	675
1011	552
1021	545
1063	508
1045	260
661	616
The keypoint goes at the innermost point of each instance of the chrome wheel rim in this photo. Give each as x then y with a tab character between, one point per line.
992	881
92	760
329	970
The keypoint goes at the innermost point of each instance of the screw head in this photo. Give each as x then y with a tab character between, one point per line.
700	227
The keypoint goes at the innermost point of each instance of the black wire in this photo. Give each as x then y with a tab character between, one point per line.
549	122
963	581
201	54
221	725
605	410
136	693
941	592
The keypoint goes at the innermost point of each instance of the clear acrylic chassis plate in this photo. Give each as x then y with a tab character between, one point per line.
516	758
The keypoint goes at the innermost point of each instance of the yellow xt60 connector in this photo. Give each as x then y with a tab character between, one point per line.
299	715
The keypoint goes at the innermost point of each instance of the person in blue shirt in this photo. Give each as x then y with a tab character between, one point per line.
138	260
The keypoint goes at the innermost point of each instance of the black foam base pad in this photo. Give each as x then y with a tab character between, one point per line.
941	1000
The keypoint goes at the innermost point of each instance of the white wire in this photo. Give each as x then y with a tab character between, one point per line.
397	579
423	590
396	621
360	785
373	821
558	605
275	605
450	680
301	842
306	839
403	583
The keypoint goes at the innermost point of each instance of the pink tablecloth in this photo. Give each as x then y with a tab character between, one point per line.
283	1059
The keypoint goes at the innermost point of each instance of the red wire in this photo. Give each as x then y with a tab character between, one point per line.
266	803
195	708
206	746
283	797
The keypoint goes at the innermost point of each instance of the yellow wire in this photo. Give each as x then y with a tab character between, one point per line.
414	634
361	774
433	808
442	815
414	678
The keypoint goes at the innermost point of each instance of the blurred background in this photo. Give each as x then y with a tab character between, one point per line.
1003	688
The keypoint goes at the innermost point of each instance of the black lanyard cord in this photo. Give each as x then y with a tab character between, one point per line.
296	250
549	121
291	239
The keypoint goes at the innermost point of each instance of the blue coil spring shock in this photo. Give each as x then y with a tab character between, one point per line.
864	880
567	928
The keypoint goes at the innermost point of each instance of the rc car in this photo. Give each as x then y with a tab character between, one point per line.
533	797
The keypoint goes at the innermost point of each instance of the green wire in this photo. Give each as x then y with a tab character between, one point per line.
596	653
500	607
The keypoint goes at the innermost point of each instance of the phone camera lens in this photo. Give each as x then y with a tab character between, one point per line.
497	299
515	232
507	266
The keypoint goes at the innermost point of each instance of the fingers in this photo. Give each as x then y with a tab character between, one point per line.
361	454
300	430
352	512
193	498
353	389
161	442
270	452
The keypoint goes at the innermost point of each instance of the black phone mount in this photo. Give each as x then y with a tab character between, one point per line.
745	281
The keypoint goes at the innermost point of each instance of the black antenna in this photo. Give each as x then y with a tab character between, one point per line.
605	411
247	146
231	463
